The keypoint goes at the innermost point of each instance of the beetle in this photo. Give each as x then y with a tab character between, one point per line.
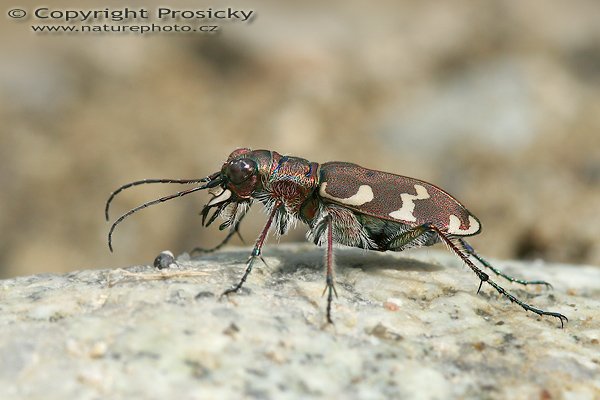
341	203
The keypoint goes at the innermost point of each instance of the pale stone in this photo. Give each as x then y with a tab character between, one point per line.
115	334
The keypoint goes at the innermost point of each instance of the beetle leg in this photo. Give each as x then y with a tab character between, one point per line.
256	251
469	249
485	278
233	231
329	286
418	236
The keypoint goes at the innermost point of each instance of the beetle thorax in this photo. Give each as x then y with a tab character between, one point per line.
292	181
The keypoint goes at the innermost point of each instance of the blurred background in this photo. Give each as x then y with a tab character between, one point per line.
496	102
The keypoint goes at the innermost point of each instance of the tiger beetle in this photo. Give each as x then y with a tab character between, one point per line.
341	203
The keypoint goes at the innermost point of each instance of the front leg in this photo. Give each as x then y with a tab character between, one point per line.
256	251
233	231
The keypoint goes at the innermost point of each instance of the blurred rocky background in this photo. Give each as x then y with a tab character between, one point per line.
497	102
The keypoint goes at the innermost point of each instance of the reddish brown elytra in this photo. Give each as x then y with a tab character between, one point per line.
340	203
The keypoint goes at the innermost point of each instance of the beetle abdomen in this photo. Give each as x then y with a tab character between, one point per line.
395	198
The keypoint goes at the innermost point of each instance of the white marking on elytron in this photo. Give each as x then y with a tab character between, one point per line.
405	213
454	226
364	195
220	198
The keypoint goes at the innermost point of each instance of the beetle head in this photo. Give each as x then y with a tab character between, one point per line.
241	173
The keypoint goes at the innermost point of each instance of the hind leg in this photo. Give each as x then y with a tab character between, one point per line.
428	234
421	235
483	277
470	250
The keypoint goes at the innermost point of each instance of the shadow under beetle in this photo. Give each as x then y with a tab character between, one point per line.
341	203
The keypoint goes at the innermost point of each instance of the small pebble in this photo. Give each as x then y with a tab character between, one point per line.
98	350
392	304
164	260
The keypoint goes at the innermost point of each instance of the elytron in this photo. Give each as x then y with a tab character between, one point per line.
340	203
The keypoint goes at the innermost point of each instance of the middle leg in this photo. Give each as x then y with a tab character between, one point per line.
329	286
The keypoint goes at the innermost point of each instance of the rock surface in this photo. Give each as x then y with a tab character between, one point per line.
406	326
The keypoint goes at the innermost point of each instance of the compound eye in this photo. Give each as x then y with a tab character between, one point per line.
240	170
